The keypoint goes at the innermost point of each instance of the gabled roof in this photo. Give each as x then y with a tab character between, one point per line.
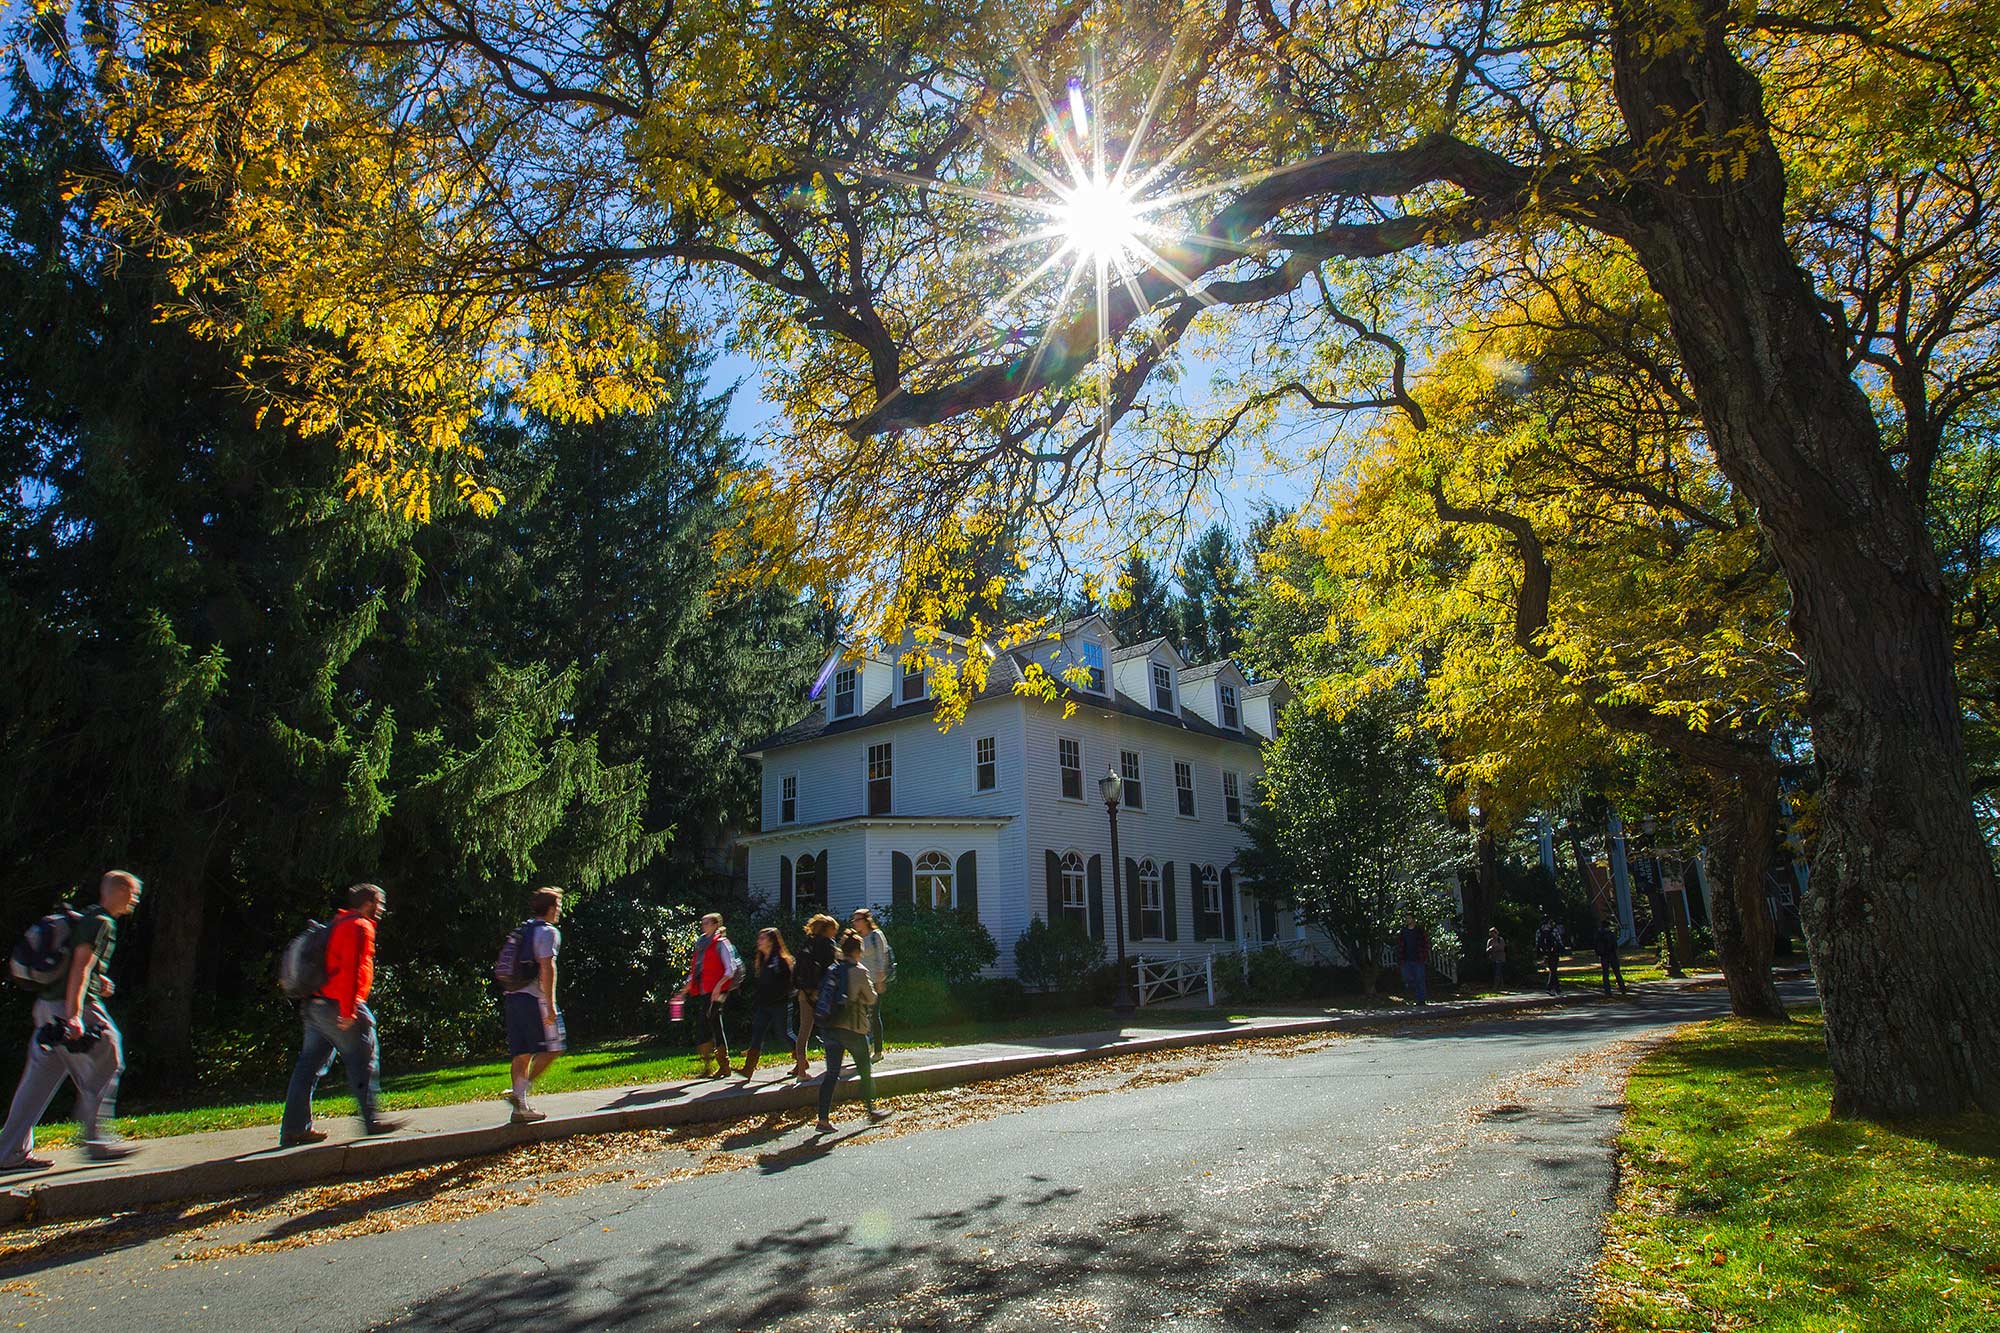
1203	672
1262	687
1001	678
1147	649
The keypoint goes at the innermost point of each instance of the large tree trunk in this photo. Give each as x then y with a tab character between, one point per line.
1744	936
177	905
1903	912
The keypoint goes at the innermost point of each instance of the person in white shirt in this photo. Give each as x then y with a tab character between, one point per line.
880	961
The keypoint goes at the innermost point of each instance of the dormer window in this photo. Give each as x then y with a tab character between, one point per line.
843	692
914	679
1093	662
1163	688
1230	718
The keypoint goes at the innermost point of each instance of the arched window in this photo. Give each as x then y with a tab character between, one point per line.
809	885
1152	903
1208	890
1073	888
933	886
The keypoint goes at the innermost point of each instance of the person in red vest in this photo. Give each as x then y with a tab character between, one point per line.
712	973
338	1022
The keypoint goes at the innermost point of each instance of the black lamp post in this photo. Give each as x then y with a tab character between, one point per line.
1110	786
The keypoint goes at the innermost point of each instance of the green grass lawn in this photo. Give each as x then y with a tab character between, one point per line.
607	1066
1744	1206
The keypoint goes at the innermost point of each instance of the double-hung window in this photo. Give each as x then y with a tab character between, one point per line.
788	798
1163	688
1069	757
985	771
1232	798
881	772
843	692
1134	784
1152	903
809	884
1093	663
1230	718
1209	891
1184	786
913	682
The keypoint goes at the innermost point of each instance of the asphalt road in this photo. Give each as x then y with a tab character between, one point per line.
1447	1176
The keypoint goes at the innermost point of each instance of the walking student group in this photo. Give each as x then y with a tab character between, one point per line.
832	986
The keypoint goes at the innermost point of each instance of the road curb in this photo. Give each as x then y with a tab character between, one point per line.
275	1168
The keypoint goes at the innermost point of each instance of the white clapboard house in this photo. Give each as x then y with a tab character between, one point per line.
867	802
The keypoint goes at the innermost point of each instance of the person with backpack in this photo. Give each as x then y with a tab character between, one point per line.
1549	948
73	1036
526	970
770	993
880	960
338	1021
847	994
713	972
808	970
1607	957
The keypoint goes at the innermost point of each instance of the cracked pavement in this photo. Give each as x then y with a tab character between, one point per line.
1445	1176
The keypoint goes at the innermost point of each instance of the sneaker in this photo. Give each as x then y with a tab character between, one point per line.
112	1150
527	1115
29	1162
512	1098
386	1125
824	1127
303	1137
879	1116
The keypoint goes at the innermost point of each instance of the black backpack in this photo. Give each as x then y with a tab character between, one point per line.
302	967
517	965
832	992
41	956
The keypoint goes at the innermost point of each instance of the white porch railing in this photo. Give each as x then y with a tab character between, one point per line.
1174	978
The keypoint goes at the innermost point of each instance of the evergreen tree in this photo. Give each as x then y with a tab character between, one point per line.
1211	608
1147	610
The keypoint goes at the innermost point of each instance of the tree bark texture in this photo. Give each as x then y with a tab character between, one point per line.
1739	912
1903	916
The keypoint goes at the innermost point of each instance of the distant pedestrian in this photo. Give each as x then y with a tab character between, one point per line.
713	972
771	995
1607	957
814	958
852	995
338	1021
535	1033
1413	951
1549	948
1496	954
74	1038
880	960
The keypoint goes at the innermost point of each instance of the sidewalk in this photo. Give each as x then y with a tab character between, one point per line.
241	1161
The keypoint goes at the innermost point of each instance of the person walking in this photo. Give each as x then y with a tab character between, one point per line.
770	995
338	1021
814	958
712	974
1496	954
1549	948
1413	951
535	1032
880	960
847	1028
74	1038
1607	957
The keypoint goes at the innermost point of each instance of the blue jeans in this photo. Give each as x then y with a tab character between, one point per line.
838	1043
769	1020
1415	983
325	1038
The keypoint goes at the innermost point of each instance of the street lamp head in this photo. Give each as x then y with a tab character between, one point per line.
1110	785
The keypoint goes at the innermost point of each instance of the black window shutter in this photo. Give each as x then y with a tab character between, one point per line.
825	882
968	886
1094	874
1055	889
1135	902
784	886
1228	904
1167	897
1200	921
903	880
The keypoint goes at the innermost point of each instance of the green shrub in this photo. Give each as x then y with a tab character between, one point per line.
1274	975
920	1002
991	999
1056	957
942	946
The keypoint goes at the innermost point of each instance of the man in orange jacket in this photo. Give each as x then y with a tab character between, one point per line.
338	1022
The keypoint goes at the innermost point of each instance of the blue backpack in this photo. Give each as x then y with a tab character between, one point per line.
832	992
